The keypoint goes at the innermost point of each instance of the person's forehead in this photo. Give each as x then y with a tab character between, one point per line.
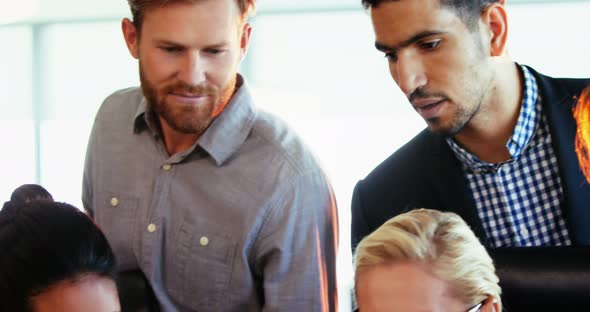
89	293
410	12
407	284
397	6
187	21
397	21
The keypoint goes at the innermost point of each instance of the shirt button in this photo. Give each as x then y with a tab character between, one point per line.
151	228
167	167
204	241
114	201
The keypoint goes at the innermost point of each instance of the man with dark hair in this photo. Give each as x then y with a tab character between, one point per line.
499	148
220	204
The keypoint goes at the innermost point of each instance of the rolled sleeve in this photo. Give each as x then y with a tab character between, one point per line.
297	246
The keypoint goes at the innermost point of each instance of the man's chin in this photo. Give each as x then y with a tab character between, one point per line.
437	129
179	122
441	133
188	128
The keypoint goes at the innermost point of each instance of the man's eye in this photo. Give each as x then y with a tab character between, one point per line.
391	56
214	51
171	49
429	45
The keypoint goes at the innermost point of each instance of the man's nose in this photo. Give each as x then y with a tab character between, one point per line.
408	72
194	69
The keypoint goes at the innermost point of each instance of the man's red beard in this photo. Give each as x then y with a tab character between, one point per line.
185	118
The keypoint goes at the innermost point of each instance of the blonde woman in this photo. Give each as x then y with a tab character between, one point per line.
425	260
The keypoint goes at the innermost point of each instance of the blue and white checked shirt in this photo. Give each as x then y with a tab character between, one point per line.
519	201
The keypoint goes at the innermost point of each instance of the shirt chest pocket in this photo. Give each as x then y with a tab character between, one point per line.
203	267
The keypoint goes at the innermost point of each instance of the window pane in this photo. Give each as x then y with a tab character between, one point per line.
290	5
83	63
63	148
558	46
17	157
16	118
16	74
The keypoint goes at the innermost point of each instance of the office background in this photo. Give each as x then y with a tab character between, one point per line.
311	62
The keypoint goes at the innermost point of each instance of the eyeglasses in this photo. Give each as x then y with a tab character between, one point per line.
476	307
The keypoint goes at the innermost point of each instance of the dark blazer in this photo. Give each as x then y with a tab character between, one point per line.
424	173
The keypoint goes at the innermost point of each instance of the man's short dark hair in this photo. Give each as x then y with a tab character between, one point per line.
468	10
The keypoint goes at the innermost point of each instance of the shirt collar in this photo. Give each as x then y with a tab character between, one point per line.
526	126
140	120
529	117
145	119
225	134
232	127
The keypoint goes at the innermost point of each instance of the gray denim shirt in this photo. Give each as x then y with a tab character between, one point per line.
245	220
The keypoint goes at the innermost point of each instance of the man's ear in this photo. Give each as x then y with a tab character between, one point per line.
495	27
131	37
245	39
491	305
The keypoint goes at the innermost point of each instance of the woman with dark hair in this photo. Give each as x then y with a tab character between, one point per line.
53	257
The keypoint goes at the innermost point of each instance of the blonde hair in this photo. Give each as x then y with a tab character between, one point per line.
443	241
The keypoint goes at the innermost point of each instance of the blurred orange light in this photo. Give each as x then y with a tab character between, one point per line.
582	117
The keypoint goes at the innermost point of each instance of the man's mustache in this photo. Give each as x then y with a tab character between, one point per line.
422	93
190	90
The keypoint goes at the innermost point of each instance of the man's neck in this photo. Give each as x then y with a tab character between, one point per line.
174	141
488	132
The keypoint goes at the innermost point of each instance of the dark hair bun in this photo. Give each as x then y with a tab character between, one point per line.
28	193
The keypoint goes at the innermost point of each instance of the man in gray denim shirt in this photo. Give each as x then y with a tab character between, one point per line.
220	205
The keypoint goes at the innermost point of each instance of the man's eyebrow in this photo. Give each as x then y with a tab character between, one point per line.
173	43
417	37
167	42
